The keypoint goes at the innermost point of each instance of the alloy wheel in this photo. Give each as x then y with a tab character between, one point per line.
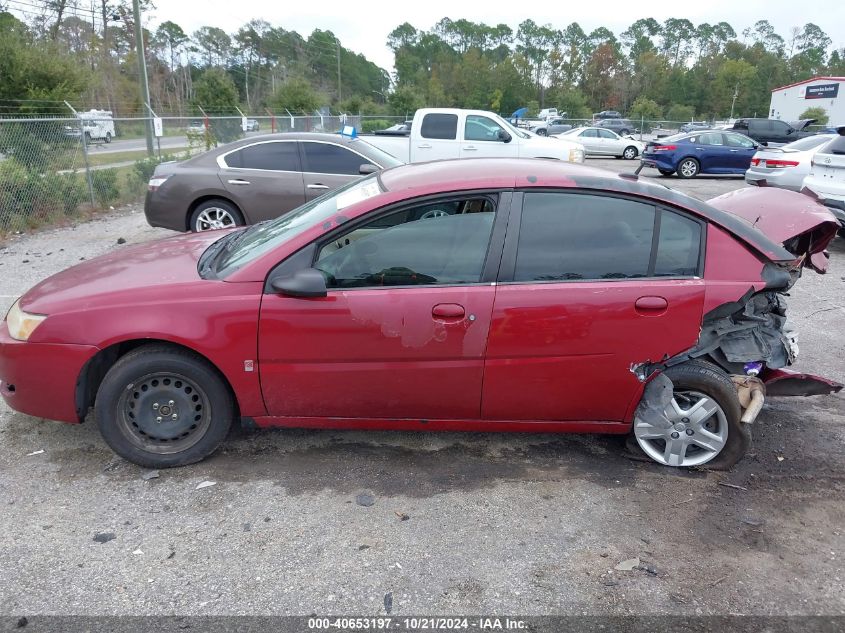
214	218
688	168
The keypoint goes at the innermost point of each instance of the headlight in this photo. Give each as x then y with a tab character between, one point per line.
576	155
22	324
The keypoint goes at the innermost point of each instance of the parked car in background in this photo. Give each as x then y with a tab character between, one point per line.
693	126
601	142
196	127
620	126
444	133
689	155
252	125
459	295
550	127
827	171
607	114
548	113
787	166
766	131
256	179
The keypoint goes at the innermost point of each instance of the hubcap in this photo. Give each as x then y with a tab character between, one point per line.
688	168
630	153
694	432
164	413
214	218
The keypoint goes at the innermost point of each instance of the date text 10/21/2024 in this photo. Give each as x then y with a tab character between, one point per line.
416	624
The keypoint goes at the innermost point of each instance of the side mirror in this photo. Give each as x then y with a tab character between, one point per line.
308	282
367	168
504	136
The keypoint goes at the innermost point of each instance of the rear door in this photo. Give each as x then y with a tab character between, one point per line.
591	285
437	138
264	179
327	166
590	140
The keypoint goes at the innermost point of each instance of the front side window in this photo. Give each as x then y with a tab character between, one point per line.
441	243
711	138
589	133
591	237
325	158
481	128
274	156
439	126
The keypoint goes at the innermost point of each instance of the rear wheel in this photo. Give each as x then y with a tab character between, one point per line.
108	137
542	132
161	406
704	416
688	168
215	214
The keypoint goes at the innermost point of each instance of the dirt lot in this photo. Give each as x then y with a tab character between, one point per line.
519	524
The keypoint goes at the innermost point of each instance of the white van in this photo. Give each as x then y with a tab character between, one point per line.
98	125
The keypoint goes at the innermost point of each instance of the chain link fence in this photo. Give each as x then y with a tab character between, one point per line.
56	168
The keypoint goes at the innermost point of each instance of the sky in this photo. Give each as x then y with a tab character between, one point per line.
363	27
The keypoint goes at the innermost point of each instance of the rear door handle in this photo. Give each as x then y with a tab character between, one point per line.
650	305
318	186
734	150
448	311
238	181
424	146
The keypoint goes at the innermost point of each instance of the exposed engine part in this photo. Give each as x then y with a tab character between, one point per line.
752	394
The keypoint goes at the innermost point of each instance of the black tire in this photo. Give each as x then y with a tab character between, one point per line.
108	137
630	153
666	172
138	387
707	378
694	168
542	132
624	131
235	214
87	137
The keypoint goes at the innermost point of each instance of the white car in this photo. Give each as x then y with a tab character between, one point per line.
827	170
787	166
598	141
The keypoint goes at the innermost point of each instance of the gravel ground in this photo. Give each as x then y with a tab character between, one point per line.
521	524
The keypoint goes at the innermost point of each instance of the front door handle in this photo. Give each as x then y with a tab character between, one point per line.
424	146
448	311
470	148
238	181
318	186
734	150
651	305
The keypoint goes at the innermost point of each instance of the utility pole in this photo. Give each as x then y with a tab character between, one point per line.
733	102
339	95
142	73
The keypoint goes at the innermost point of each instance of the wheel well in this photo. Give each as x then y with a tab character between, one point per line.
97	367
202	199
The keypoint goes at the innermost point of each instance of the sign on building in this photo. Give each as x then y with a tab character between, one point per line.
822	91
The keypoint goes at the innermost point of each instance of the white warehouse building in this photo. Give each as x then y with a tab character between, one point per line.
789	102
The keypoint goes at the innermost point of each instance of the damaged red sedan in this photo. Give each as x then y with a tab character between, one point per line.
492	294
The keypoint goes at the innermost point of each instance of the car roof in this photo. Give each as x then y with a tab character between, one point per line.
506	173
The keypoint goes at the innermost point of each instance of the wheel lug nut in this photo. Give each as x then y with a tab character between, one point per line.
155	405
675	435
690	431
174	416
171	403
158	419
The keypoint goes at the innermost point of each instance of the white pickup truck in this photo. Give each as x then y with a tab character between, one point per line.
444	133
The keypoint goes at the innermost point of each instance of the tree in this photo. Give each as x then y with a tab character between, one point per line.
296	95
405	100
680	113
645	109
213	44
819	114
215	92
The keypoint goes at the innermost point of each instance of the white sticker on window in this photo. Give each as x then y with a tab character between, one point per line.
357	194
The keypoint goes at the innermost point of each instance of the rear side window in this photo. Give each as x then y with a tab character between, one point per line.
711	138
836	146
276	156
325	158
440	126
592	237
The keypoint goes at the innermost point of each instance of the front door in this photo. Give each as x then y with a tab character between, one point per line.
582	301
402	332
327	166
483	139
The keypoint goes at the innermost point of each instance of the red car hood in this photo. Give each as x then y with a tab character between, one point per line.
124	271
802	224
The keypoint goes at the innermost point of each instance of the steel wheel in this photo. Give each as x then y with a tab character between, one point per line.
630	153
164	413
542	132
688	168
697	434
212	218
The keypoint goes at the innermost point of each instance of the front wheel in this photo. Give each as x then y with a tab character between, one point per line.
160	407
701	423
630	153
688	168
108	137
542	132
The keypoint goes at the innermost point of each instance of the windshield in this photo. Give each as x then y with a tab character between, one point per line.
383	159
262	238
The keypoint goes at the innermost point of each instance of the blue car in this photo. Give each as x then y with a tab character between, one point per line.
696	153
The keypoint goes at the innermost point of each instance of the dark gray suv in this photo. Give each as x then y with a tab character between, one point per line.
620	126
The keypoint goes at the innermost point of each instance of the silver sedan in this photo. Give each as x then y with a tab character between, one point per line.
601	142
786	166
